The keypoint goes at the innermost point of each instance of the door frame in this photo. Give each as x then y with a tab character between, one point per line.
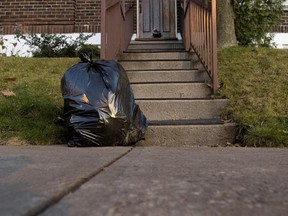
137	18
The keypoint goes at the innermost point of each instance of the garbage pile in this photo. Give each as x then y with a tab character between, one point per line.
99	105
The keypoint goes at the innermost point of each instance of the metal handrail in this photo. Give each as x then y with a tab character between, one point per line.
200	36
116	27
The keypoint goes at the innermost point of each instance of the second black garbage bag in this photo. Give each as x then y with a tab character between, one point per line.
99	105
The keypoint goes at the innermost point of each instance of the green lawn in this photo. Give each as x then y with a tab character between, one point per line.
255	81
31	114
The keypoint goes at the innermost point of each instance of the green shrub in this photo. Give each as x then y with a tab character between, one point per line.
53	45
2	46
254	19
94	49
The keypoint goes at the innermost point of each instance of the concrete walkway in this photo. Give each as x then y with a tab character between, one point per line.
56	180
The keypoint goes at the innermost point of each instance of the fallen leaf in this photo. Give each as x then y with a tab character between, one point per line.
10	79
7	93
85	99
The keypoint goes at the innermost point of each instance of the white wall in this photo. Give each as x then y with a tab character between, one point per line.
281	40
19	48
16	47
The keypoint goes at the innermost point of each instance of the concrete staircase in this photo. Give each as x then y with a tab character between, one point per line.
172	93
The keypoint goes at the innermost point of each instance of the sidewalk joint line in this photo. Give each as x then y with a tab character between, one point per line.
42	207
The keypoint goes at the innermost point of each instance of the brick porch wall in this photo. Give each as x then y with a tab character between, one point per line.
62	16
283	27
51	16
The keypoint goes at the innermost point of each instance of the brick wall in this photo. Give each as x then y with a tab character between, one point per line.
283	27
87	15
51	16
62	16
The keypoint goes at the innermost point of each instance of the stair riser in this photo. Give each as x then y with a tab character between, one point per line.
156	65
154	56
181	109
190	135
156	42
166	76
153	50
155	46
181	90
148	76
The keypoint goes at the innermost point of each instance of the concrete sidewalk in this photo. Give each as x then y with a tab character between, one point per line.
56	180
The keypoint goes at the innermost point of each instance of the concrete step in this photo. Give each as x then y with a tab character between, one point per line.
171	90
153	50
190	135
159	76
158	41
157	65
156	45
154	56
174	97
156	110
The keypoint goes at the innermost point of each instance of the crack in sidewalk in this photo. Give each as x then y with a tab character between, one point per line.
42	207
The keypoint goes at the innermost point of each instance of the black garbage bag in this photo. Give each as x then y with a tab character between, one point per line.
99	105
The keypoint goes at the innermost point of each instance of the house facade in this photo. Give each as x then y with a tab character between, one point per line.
64	16
51	16
283	27
75	16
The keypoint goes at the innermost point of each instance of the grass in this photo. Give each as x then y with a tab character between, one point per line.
30	115
256	82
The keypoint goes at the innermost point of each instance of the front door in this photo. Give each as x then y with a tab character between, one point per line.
156	19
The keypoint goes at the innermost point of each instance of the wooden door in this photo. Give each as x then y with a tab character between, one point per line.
156	14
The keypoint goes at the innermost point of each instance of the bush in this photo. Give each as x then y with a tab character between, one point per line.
53	45
94	49
2	46
254	19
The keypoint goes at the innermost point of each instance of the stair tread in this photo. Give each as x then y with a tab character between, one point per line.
193	70
168	70
168	51
167	82
160	52
158	64
153	50
156	70
171	83
161	41
180	99
188	112
190	135
151	60
187	122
